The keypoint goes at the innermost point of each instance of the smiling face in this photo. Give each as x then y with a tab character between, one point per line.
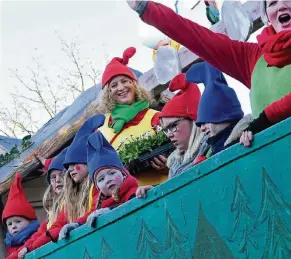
279	14
109	179
15	224
78	172
122	90
211	129
178	130
57	181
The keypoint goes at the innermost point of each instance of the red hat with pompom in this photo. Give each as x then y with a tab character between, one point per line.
185	102
17	203
117	66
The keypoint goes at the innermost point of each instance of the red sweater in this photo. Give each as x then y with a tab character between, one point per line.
237	59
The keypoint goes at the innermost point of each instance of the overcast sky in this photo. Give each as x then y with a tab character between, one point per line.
28	29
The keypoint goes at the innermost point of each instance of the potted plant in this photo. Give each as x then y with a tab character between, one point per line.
137	153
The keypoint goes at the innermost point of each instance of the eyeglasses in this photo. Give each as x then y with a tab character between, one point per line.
172	127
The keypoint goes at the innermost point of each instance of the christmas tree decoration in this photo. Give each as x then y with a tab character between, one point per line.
273	210
105	250
175	240
148	245
243	221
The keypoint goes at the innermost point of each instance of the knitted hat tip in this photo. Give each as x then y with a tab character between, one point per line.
127	54
178	83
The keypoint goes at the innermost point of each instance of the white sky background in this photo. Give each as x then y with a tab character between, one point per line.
28	29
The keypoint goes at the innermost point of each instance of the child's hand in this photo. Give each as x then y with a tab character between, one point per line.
22	253
40	158
141	191
91	220
67	229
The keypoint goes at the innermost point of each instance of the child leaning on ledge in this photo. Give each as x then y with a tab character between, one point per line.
19	217
116	186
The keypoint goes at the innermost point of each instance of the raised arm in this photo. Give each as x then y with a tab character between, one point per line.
237	59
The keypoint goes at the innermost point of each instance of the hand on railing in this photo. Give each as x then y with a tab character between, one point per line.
22	253
141	191
67	229
91	220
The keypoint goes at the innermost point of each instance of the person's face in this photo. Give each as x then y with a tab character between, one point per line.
211	129
15	224
122	90
78	172
57	181
178	130
279	14
108	180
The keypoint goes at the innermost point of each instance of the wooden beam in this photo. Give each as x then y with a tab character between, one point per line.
62	137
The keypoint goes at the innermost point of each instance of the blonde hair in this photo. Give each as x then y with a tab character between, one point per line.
263	12
52	203
106	104
76	197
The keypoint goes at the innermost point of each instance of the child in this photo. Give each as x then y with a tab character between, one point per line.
113	181
79	192
52	202
219	116
19	217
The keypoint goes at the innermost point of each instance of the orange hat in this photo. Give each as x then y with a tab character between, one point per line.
185	102
117	66
17	203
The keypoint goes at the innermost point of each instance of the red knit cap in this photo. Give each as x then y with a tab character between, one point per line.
17	204
185	102
117	66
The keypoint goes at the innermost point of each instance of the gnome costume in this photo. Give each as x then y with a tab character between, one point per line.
101	155
18	205
185	105
218	104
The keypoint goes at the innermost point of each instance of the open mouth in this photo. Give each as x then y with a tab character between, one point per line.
59	186
123	94
111	186
73	175
284	18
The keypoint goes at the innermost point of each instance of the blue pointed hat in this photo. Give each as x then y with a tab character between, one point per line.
101	155
77	152
56	164
219	102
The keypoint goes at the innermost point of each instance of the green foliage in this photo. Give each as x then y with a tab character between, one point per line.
134	147
14	152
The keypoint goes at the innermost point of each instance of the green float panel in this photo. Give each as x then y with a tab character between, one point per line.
236	204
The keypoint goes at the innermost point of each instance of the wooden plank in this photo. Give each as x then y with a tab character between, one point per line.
62	137
210	211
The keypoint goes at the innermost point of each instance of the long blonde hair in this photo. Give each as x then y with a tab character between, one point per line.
76	197
52	203
106	104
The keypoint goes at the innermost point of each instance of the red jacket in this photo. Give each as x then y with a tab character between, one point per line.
213	48
12	250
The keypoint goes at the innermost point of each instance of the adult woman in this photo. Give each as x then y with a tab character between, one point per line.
264	67
126	105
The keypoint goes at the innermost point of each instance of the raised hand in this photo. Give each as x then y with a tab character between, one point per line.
133	4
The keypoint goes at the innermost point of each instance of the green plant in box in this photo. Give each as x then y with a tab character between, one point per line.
132	148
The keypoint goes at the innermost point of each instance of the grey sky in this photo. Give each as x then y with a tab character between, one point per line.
28	29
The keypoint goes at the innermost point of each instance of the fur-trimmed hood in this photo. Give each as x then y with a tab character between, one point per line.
238	129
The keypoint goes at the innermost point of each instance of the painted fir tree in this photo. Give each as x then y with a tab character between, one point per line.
148	246
175	240
86	254
273	210
244	220
105	250
208	243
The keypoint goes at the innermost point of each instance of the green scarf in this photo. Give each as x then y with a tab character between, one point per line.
123	113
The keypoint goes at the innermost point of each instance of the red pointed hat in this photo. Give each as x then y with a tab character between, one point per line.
117	66
17	203
185	102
